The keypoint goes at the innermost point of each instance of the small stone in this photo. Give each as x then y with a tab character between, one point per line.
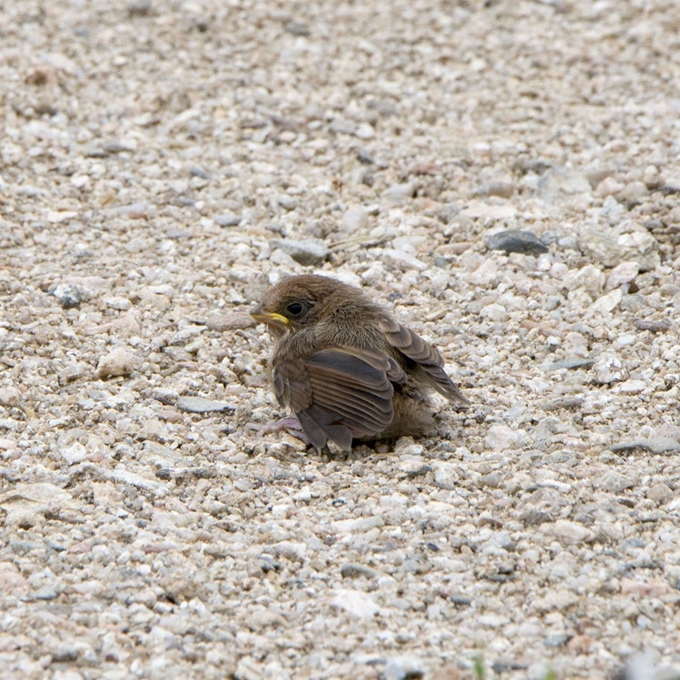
71	295
365	156
203	405
133	211
481	210
307	252
139	8
228	220
119	303
399	193
10	396
120	146
118	362
516	241
557	639
671	185
230	322
633	194
353	570
608	187
614	482
403	259
342	126
287	202
562	185
660	326
570	533
656	445
56	217
609	368
660	493
606	303
364	131
298	29
494	312
74	454
622	243
404	668
502	438
633	386
498	188
590	278
354	219
621	274
355	603
278	257
572	364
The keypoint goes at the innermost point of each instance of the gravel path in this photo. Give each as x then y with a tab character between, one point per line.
162	163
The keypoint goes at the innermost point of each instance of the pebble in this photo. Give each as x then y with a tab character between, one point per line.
10	396
355	219
494	312
228	220
202	405
621	274
516	241
633	194
118	362
498	188
404	668
71	295
660	326
139	7
356	603
570	533
73	454
502	438
656	445
590	278
306	252
609	187
560	185
399	193
671	185
660	493
624	242
480	210
606	303
353	570
608	368
614	482
633	386
119	303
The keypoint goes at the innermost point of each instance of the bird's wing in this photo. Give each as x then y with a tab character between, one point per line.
412	346
339	394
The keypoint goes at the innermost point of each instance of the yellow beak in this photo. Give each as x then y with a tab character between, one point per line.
270	318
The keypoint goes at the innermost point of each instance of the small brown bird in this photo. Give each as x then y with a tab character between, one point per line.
345	368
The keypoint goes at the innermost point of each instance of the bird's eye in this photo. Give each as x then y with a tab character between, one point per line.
296	309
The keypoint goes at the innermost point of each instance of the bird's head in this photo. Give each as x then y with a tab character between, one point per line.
301	301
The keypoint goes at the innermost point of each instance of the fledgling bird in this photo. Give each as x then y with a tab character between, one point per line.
345	368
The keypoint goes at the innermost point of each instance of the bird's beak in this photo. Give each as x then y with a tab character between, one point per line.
270	318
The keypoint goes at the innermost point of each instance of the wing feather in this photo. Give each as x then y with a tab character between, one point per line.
427	357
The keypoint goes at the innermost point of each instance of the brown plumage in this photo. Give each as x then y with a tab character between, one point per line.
344	367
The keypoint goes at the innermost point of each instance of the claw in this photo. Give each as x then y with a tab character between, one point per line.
291	425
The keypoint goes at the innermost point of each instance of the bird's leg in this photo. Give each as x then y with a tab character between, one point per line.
289	424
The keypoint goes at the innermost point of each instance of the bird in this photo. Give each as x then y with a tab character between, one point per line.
345	368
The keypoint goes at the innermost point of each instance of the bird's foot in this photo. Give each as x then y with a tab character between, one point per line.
291	425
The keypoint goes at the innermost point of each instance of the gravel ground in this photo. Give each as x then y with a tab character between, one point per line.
163	163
